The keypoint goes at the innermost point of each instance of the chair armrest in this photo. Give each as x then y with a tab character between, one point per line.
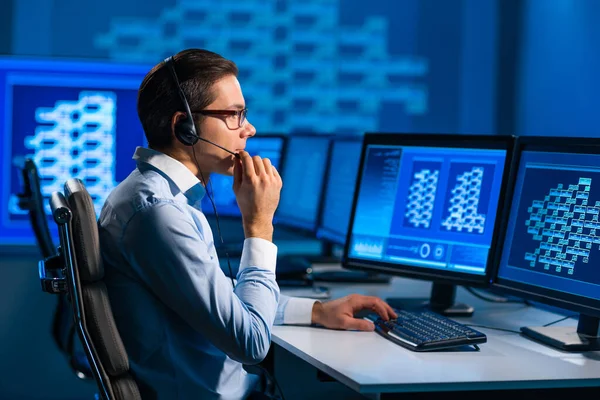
52	277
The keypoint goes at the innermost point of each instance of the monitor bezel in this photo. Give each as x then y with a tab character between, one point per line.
286	221
575	303
492	142
320	229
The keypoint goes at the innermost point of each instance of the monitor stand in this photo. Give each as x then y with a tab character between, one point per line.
330	254
586	337
441	301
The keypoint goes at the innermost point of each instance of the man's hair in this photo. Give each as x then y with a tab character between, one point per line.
158	99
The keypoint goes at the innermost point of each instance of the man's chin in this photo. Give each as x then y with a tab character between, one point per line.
228	172
225	168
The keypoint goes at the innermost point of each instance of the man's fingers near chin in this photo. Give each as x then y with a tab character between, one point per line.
237	171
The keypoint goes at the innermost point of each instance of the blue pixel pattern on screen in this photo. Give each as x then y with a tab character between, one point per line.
553	236
221	186
292	55
339	190
76	120
428	207
303	175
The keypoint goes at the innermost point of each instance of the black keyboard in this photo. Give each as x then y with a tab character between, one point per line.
425	331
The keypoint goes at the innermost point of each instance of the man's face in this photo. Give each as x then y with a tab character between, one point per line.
218	130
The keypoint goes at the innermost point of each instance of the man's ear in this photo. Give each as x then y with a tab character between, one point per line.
175	119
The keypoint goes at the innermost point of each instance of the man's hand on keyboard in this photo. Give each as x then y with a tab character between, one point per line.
339	314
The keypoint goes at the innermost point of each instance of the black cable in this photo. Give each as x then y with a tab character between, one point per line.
492	327
561	319
227	254
503	300
216	215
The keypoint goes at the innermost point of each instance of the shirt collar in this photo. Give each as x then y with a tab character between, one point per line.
178	173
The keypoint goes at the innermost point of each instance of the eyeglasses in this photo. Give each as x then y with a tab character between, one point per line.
234	119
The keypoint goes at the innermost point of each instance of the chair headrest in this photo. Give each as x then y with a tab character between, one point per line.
85	231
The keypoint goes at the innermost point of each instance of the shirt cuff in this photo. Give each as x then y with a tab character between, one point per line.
298	311
259	253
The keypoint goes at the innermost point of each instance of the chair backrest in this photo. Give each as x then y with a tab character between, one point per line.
74	212
32	201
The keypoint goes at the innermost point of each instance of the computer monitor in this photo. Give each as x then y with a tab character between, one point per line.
303	178
427	206
339	190
220	187
552	238
74	119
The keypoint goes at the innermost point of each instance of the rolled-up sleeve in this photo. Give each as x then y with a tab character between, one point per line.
294	311
167	251
290	310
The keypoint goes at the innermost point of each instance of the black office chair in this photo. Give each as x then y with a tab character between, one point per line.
83	281
63	329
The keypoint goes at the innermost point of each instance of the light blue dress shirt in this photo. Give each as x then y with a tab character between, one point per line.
187	332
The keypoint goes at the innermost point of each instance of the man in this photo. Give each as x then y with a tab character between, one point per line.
187	329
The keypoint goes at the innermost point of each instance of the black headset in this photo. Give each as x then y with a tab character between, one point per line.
185	132
185	129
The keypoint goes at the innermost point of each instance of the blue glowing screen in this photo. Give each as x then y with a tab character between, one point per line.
427	207
303	176
339	190
76	120
553	235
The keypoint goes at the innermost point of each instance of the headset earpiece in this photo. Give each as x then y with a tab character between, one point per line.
185	130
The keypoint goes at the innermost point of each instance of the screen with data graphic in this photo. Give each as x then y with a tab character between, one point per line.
553	235
339	190
75	120
221	186
428	207
303	176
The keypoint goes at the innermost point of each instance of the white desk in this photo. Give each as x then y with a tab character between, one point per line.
370	364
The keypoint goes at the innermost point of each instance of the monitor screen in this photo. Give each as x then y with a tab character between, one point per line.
221	186
422	209
553	234
303	176
339	190
74	120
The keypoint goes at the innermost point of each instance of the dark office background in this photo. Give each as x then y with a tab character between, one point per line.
519	67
